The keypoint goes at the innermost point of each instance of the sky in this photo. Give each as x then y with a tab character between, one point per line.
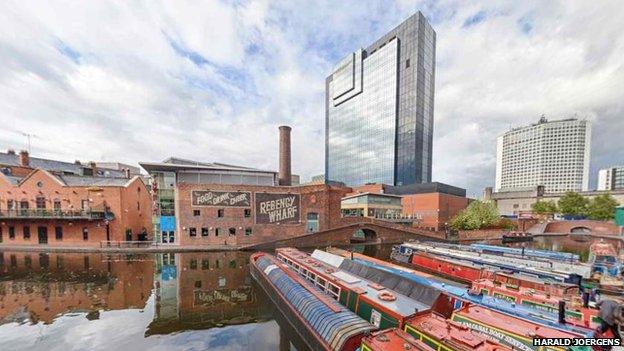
212	80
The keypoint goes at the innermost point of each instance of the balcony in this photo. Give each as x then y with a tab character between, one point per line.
56	214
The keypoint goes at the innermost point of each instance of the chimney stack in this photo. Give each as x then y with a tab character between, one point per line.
284	177
93	168
24	159
126	172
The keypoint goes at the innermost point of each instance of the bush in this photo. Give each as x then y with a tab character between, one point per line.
477	215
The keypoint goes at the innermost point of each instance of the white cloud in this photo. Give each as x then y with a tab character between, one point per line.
213	80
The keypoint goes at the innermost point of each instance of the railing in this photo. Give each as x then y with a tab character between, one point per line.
52	214
122	244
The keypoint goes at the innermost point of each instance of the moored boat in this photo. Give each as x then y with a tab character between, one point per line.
321	322
382	305
517	237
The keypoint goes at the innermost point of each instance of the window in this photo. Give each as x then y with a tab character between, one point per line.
204	231
84	205
193	263
57	205
205	264
58	233
232	231
312	222
218	231
407	63
11	233
248	231
198	284
196	213
40	202
10	205
85	234
247	213
220	213
26	232
232	264
193	231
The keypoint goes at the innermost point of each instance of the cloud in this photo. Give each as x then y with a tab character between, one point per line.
212	80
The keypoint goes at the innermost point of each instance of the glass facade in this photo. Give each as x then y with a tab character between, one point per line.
379	109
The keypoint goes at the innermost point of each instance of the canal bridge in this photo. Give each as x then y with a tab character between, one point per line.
368	232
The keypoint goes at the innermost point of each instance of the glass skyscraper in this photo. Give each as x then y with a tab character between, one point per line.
379	109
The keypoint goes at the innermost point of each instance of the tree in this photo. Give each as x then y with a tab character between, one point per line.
544	207
477	215
602	207
573	204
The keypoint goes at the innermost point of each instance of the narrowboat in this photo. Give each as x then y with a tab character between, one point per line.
439	335
581	269
443	334
524	252
603	258
429	259
573	315
575	311
321	322
383	305
512	332
517	237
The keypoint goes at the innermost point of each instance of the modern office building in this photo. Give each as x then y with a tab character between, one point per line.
379	109
611	178
553	154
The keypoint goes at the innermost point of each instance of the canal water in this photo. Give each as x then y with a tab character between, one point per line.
172	301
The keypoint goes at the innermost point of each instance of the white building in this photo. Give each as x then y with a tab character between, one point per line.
611	178
554	154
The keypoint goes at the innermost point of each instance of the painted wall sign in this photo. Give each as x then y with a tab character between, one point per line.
216	297
277	208
220	198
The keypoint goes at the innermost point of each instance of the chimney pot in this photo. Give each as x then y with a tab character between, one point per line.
284	177
24	159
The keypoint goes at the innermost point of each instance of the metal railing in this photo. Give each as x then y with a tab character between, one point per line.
52	214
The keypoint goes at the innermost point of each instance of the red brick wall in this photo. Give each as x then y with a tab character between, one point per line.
321	199
121	200
435	208
596	227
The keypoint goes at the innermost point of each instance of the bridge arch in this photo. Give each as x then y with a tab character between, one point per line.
362	235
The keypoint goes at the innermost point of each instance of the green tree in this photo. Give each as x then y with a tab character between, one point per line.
602	207
573	204
477	215
544	207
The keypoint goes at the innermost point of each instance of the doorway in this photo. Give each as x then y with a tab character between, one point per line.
42	233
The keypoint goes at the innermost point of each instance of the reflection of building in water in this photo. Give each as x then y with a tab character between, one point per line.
41	286
205	290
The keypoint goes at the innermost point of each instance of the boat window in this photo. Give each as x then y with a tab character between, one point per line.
320	281
296	267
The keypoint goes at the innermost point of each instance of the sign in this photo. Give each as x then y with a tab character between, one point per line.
216	297
277	208
220	198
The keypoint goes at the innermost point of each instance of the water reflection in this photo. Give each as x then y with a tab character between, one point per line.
175	301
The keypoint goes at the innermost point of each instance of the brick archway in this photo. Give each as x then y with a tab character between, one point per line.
364	235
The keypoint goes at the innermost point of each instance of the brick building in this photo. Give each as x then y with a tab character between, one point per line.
45	208
431	205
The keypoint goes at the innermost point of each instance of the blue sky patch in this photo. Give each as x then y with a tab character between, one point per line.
68	51
474	19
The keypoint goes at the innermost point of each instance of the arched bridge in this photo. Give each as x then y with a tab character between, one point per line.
361	232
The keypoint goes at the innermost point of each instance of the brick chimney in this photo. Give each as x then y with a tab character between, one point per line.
93	168
127	172
284	177
24	159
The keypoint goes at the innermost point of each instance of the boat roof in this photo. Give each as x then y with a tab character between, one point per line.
452	333
403	305
505	322
394	340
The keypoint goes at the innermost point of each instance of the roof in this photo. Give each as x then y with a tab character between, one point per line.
12	179
93	181
371	194
174	164
34	162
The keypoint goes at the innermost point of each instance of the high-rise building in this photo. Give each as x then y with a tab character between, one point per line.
611	178
379	109
553	154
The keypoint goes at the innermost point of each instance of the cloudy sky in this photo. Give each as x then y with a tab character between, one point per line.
212	80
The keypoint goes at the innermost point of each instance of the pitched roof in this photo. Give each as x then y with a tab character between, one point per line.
175	163
34	162
71	180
